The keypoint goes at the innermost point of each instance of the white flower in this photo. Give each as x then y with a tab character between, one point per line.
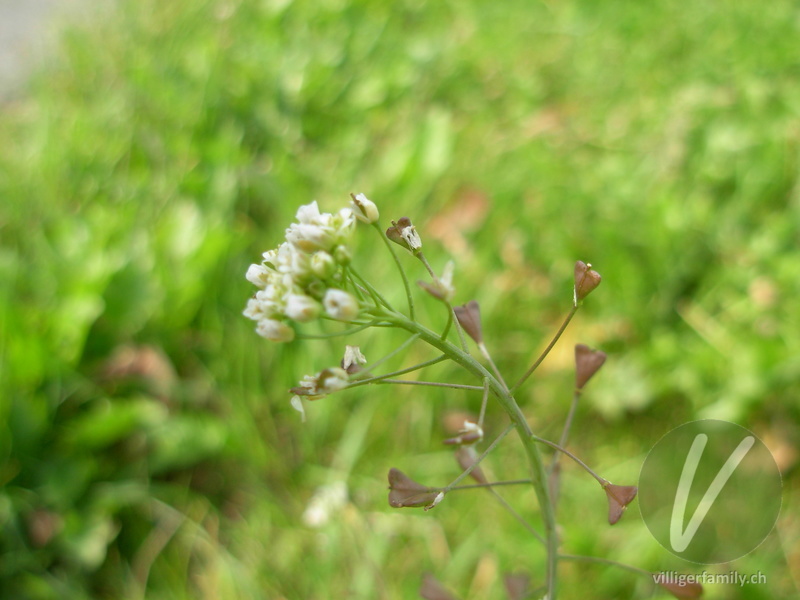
352	357
309	238
411	237
293	276
364	209
302	308
255	310
340	305
325	382
309	213
258	275
275	331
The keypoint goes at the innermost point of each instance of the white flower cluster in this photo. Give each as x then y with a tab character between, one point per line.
302	277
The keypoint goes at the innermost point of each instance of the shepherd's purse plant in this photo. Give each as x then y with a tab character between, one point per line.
312	276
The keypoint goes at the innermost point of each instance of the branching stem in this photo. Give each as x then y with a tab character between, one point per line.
547	350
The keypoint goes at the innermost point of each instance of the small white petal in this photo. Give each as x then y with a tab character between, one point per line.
308	213
411	237
297	404
258	275
332	380
302	308
275	331
365	209
353	356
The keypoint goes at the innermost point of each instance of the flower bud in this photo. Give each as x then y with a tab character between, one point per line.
258	275
316	289
364	209
585	280
275	331
309	213
340	305
302	308
323	264
342	254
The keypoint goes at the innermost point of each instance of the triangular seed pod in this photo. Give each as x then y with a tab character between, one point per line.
585	280
404	492
619	496
466	457
469	317
587	363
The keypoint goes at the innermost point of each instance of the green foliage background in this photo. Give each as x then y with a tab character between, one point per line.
147	447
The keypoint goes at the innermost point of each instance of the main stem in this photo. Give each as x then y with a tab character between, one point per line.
535	463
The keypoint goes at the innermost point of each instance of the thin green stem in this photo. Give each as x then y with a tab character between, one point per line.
570	416
484	402
448	325
490	487
555	472
379	378
377	298
586	467
506	399
473	486
425	262
546	351
485	352
450	312
324	336
478	460
520	519
400	268
455	386
391	354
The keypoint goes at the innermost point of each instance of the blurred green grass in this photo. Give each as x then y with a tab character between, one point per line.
148	448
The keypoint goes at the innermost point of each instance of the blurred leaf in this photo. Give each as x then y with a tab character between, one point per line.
185	440
109	421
